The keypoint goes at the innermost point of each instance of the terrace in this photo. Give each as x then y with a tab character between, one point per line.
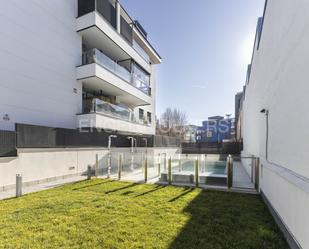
111	214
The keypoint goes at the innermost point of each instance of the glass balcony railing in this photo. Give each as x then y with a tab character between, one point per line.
141	51
108	109
115	111
96	56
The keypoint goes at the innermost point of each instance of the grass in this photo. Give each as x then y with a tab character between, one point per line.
110	214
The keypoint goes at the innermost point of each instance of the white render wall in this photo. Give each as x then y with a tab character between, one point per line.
40	50
279	83
42	164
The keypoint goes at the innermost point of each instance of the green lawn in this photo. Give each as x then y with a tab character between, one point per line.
111	214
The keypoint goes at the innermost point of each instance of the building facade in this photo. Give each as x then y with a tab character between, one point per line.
276	92
190	134
215	130
76	63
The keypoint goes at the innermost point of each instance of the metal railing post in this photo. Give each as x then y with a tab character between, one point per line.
119	167
159	164
89	173
109	164
169	177
252	168
96	170
18	185
257	174
146	169
196	173
179	163
229	163
203	164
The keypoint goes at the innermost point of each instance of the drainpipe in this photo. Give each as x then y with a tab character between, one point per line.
266	112
118	16
109	155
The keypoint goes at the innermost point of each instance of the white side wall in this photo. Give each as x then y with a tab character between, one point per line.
40	164
279	83
39	52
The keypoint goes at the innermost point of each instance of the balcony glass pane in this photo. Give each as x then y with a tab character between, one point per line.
141	51
138	78
109	109
107	9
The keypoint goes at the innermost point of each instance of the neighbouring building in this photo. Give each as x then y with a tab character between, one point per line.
238	103
238	115
215	130
275	114
190	134
76	63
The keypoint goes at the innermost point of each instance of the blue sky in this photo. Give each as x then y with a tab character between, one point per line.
205	45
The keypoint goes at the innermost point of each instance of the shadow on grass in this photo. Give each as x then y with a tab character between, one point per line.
92	185
225	221
158	187
122	188
128	193
186	191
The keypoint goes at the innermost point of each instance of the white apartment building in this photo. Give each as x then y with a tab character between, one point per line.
275	113
75	63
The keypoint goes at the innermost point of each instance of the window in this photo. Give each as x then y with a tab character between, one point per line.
149	117
141	114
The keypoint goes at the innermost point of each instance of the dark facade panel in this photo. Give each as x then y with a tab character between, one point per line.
31	136
126	30
85	7
7	144
108	11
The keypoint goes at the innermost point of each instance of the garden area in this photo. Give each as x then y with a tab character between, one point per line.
110	214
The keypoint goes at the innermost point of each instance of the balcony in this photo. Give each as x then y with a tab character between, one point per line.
101	114
137	78
141	51
106	8
108	109
105	24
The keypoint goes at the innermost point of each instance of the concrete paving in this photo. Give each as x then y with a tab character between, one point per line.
241	179
40	187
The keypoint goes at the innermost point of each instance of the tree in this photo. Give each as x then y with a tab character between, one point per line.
172	123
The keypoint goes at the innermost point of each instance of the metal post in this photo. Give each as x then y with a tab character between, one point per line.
119	167
146	170
18	185
159	164
165	159
205	159
169	177
96	170
252	168
196	173
89	173
109	164
257	174
229	163
179	162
